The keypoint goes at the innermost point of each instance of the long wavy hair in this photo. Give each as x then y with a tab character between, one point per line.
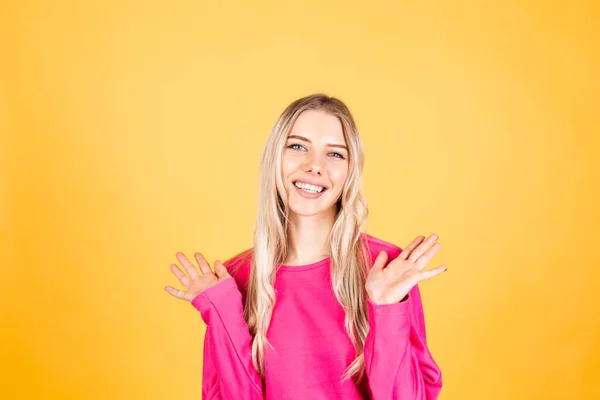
349	254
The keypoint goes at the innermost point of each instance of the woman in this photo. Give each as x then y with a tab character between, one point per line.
316	309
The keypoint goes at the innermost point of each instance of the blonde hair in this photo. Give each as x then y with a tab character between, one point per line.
349	254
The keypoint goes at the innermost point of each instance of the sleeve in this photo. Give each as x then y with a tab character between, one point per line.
210	380
228	371
397	361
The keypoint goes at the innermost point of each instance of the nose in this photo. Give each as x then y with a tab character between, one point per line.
312	164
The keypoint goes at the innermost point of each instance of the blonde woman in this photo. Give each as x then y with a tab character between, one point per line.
317	309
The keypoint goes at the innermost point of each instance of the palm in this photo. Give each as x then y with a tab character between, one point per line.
201	283
388	280
390	284
194	282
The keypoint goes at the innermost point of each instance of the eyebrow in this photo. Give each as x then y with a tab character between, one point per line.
341	146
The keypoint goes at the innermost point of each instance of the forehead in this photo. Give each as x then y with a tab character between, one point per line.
318	125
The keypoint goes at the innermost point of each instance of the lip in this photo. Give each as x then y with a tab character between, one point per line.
309	195
310	183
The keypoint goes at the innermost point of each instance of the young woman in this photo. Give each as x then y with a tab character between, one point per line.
317	309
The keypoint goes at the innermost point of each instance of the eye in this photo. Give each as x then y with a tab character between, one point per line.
338	155
292	146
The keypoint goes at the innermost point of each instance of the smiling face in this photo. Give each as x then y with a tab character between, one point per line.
315	153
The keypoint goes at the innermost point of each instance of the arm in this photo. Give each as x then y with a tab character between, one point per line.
397	361
228	372
211	389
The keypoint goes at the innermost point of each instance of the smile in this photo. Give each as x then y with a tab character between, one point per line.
309	188
309	191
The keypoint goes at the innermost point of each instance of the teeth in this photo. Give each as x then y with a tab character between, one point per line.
309	188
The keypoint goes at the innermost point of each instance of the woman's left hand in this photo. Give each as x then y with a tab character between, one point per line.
391	284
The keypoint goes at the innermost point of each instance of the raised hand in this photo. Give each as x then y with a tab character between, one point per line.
194	282
391	284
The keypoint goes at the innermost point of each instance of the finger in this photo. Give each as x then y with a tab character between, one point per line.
180	294
418	252
189	267
406	252
381	260
220	270
430	273
204	266
425	258
185	281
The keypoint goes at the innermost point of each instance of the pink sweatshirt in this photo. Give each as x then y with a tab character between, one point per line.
312	349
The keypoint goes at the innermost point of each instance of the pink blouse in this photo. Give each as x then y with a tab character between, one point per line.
311	347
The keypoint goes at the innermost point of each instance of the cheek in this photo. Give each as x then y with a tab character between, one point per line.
288	166
338	175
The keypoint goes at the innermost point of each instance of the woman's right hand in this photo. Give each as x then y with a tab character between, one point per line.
196	283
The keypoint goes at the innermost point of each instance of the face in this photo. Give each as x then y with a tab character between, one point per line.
315	154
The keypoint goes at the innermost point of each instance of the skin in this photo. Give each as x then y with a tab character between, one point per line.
314	160
390	283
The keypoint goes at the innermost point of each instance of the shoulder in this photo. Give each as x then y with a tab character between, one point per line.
377	245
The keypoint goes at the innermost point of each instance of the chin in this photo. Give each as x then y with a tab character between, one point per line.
305	212
308	210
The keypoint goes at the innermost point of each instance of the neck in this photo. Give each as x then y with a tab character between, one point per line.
308	238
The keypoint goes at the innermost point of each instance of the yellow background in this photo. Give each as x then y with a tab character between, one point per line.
133	129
